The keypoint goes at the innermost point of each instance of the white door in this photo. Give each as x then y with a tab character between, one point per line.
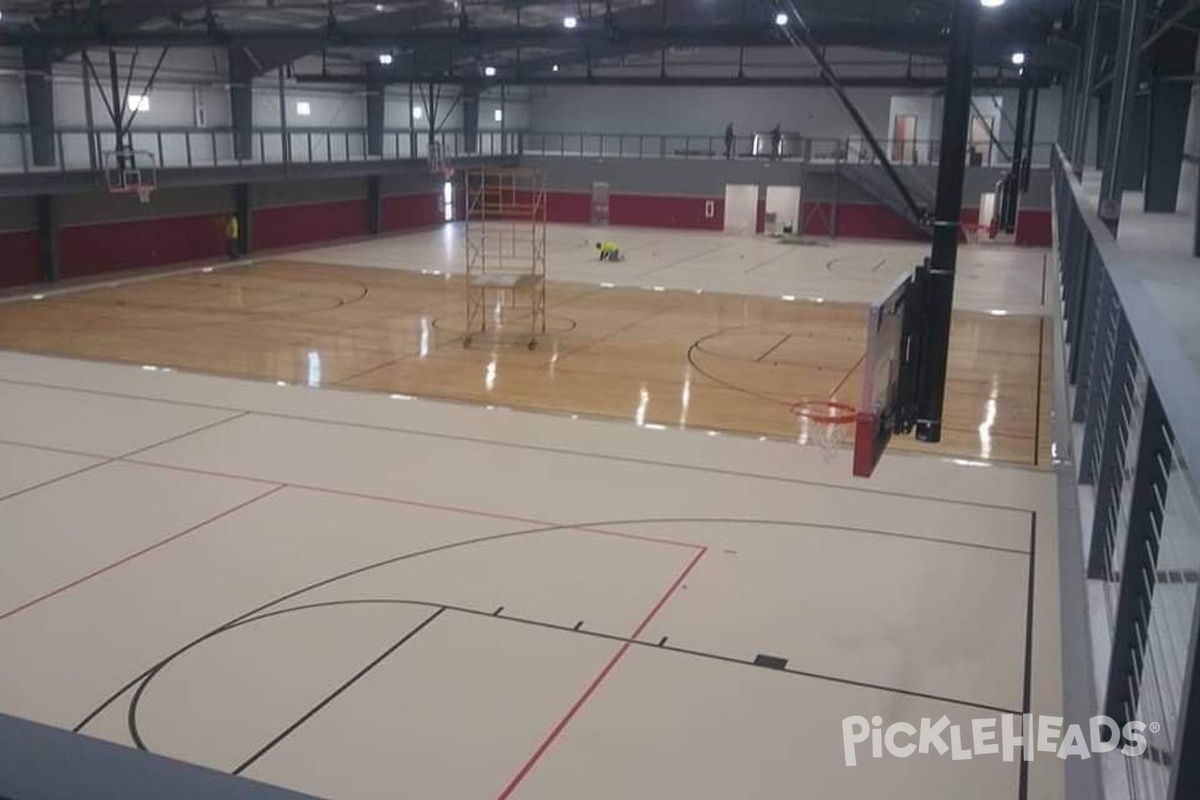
783	205
741	208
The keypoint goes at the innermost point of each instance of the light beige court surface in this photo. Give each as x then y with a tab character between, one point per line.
655	356
363	597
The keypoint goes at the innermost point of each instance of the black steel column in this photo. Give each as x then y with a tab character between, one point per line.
956	118
1083	111
1008	216
39	98
504	119
285	138
47	226
1027	167
470	106
375	111
1133	158
119	103
376	106
412	123
375	203
1102	108
244	211
1170	104
1120	116
241	103
88	113
1185	776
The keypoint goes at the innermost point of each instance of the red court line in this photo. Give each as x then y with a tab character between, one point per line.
414	503
138	554
595	684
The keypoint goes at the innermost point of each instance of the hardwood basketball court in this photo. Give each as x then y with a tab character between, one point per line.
654	340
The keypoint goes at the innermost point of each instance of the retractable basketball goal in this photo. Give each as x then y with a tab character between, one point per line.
131	172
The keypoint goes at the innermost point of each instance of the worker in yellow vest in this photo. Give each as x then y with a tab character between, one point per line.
609	251
233	230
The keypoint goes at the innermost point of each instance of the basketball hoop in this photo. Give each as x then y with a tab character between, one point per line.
826	424
131	172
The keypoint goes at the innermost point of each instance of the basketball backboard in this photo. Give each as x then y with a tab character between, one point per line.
889	378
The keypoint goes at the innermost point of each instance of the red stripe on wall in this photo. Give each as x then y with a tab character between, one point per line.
570	207
288	226
21	262
1034	228
760	220
401	212
94	249
659	211
868	221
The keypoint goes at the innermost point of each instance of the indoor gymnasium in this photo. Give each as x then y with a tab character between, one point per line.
656	399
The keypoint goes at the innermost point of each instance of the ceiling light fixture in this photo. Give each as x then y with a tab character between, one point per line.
385	59
781	19
991	3
489	71
1018	58
570	22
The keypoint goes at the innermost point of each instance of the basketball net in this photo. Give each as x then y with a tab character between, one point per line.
826	424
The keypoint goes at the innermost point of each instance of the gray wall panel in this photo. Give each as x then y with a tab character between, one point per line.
99	206
17	214
292	193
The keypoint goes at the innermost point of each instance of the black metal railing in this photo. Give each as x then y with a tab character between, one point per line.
74	149
78	149
1135	414
790	147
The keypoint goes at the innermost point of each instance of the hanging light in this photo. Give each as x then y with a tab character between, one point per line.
570	22
1018	58
781	19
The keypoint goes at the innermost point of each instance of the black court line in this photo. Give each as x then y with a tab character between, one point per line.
661	646
863	488
336	692
1045	271
143	679
682	260
778	345
103	461
1037	415
113	323
1027	690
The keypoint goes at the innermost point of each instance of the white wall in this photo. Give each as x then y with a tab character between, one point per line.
12	105
811	112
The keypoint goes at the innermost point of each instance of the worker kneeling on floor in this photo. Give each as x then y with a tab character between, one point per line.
609	251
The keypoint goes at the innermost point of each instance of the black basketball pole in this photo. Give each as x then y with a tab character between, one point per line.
939	293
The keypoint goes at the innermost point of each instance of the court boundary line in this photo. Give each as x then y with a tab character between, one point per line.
142	680
529	520
1027	687
1023	469
634	642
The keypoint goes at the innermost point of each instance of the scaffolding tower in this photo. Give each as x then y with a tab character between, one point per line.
505	232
